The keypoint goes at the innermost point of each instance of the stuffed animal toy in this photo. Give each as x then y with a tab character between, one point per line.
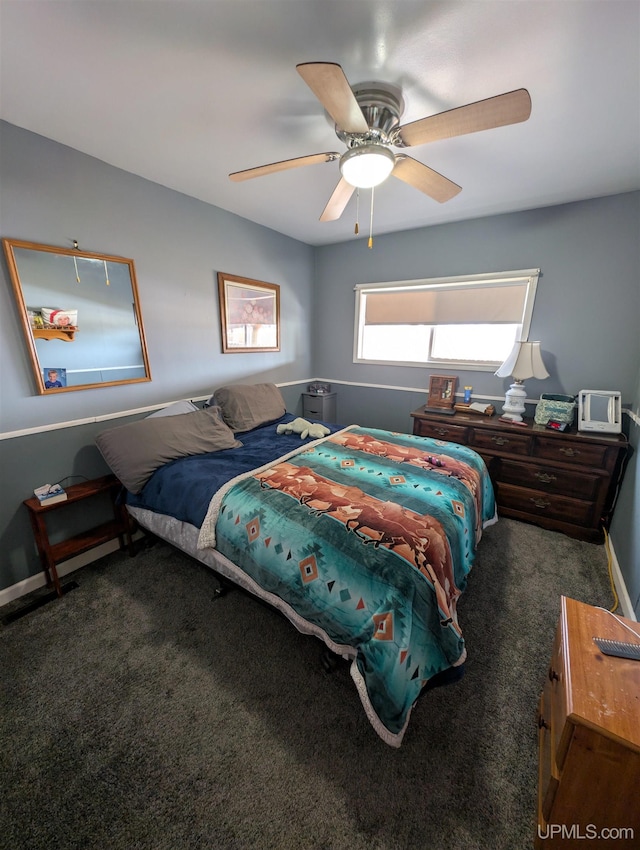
304	428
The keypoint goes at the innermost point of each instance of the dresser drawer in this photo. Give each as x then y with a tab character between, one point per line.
314	409
547	773
539	504
441	431
557	695
567	451
501	441
563	481
551	479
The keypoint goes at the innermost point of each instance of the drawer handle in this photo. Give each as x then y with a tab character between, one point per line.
542	723
500	441
569	452
442	431
540	503
553	676
545	477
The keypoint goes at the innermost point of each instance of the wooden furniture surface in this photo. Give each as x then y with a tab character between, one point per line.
564	481
589	737
52	554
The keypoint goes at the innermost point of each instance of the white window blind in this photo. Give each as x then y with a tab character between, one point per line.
447	305
431	306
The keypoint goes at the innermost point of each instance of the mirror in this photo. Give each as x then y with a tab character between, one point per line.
81	317
600	410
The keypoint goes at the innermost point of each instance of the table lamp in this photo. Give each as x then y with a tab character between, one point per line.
525	361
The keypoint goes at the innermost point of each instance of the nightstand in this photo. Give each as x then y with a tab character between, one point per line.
319	406
52	554
589	736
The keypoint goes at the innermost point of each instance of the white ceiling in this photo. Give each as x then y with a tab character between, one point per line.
184	92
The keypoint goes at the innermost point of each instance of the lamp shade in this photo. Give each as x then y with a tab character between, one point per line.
525	361
367	165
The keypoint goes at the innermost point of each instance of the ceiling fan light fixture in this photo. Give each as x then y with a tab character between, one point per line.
368	165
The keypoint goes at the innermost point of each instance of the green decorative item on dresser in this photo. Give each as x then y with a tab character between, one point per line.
560	408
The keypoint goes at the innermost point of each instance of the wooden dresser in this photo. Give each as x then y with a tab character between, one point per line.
589	737
564	481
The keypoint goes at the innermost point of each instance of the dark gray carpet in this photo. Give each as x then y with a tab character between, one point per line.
140	712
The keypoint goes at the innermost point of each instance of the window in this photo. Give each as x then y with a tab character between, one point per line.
468	322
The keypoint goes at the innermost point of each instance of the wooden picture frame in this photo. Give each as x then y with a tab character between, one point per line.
98	339
249	314
442	393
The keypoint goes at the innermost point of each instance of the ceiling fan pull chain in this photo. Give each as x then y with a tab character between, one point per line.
356	229
370	243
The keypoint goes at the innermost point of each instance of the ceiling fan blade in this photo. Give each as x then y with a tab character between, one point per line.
330	85
425	179
338	201
499	111
274	167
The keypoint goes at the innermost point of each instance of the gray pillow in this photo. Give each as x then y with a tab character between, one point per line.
246	406
136	450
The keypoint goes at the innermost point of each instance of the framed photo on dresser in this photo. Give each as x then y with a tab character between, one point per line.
442	393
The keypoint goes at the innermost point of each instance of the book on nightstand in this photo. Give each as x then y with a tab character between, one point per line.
49	494
475	407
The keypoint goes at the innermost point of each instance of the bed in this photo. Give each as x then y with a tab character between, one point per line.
364	537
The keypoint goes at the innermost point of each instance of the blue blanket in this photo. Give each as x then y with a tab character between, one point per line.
184	488
368	535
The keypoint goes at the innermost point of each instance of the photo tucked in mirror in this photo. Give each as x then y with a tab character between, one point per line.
81	316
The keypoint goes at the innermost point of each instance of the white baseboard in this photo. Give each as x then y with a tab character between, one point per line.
626	606
27	585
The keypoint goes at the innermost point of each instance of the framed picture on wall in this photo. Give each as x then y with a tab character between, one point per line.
249	314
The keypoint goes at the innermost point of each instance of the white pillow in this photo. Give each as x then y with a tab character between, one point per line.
175	409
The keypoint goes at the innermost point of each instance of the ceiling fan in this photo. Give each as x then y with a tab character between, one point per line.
367	120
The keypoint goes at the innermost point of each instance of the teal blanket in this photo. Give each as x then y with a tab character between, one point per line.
369	536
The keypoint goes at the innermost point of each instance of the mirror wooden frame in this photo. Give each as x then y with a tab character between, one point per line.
258	299
67	334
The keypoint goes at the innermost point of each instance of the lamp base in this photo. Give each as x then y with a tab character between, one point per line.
514	400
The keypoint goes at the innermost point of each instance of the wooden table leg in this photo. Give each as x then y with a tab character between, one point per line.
124	518
42	542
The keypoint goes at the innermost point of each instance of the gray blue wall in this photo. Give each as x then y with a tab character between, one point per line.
52	194
586	313
625	528
587	304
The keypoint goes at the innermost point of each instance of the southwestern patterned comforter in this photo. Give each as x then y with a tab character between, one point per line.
369	536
